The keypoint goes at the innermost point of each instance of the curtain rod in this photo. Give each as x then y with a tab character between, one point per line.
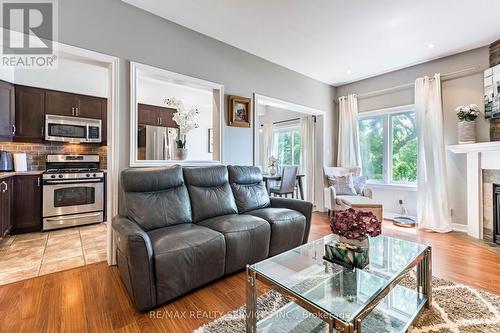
285	121
444	77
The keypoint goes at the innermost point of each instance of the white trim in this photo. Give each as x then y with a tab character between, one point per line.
391	110
393	186
275	102
175	78
474	147
459	227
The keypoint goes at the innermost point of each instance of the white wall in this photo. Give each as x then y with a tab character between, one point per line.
71	75
154	92
458	91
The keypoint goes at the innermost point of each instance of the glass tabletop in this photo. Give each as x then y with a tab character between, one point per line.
339	291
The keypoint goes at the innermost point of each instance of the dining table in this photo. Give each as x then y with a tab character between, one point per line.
267	178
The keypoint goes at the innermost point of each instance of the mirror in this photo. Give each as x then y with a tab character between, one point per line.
175	119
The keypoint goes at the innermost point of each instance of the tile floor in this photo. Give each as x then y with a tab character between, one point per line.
29	255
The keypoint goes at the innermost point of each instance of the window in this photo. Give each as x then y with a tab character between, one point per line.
388	144
287	143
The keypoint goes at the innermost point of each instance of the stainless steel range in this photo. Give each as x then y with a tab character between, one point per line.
73	191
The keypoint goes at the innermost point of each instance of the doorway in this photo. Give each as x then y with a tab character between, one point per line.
289	134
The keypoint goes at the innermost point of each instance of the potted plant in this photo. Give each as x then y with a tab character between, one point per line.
467	115
272	162
353	228
186	120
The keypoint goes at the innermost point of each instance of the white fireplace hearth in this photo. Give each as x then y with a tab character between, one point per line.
480	157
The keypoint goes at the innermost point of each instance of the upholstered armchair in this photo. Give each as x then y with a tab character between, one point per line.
335	202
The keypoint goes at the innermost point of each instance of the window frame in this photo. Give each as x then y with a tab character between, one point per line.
290	126
387	115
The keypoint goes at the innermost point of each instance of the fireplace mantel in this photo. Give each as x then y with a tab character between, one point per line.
480	156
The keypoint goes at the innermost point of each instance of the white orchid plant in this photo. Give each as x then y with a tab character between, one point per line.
185	118
467	112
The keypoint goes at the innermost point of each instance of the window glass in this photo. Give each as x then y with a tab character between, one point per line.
288	146
404	147
371	139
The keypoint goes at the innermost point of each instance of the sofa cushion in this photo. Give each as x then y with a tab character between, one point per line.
343	185
156	197
357	201
210	192
287	228
186	256
248	188
247	239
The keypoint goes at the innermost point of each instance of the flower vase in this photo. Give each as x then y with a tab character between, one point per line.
272	170
466	131
350	253
180	154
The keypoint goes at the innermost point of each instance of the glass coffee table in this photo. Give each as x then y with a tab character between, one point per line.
327	297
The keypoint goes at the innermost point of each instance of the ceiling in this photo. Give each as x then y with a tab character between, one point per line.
339	41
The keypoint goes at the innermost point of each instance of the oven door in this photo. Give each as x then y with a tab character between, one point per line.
63	197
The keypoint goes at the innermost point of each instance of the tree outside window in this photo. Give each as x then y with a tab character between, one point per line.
388	144
288	145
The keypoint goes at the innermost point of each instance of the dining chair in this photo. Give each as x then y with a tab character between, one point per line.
287	184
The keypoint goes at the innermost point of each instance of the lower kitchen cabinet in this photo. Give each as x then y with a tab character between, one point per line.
6	200
27	204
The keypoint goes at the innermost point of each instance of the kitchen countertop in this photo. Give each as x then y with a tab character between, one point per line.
14	173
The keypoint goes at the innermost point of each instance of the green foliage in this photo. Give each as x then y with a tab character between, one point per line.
404	147
288	147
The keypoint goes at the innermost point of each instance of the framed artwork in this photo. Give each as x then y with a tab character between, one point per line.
210	140
240	111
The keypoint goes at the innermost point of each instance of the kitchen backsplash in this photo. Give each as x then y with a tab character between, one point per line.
36	153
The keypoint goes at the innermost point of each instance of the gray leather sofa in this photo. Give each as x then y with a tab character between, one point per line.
185	227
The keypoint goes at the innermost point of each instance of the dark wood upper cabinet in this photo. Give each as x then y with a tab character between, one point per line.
27	204
155	115
6	200
7	103
90	107
29	114
60	103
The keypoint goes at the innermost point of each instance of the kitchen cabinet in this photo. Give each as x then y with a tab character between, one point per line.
29	114
7	102
73	105
6	201
155	116
27	204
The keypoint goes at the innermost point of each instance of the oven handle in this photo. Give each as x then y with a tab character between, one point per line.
74	181
72	217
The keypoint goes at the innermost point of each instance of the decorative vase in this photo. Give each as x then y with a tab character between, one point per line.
272	170
467	131
180	154
350	253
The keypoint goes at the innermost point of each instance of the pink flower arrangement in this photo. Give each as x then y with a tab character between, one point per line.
353	224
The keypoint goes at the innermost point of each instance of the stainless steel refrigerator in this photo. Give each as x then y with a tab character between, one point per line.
156	142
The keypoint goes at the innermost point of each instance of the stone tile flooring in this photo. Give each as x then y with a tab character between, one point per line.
29	255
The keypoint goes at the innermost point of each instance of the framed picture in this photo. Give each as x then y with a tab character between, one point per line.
210	140
240	111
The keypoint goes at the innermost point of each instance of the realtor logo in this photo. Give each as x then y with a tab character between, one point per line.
29	29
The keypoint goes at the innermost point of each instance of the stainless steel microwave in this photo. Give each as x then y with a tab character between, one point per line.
72	129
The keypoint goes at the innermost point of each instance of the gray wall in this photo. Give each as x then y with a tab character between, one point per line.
459	91
118	29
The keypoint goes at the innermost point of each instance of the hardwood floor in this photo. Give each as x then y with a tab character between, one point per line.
93	299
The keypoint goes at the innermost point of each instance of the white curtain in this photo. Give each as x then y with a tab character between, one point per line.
307	155
348	148
432	197
266	149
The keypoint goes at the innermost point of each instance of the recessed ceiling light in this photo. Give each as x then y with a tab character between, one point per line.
431	45
348	72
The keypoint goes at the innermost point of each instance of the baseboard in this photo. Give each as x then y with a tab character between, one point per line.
459	227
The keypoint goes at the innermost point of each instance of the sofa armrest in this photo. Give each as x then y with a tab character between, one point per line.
329	196
368	192
135	262
303	207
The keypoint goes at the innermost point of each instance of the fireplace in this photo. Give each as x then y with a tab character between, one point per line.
496	213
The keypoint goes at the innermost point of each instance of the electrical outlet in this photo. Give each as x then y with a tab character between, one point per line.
400	201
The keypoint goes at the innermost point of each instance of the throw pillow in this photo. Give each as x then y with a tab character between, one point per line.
343	185
360	184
